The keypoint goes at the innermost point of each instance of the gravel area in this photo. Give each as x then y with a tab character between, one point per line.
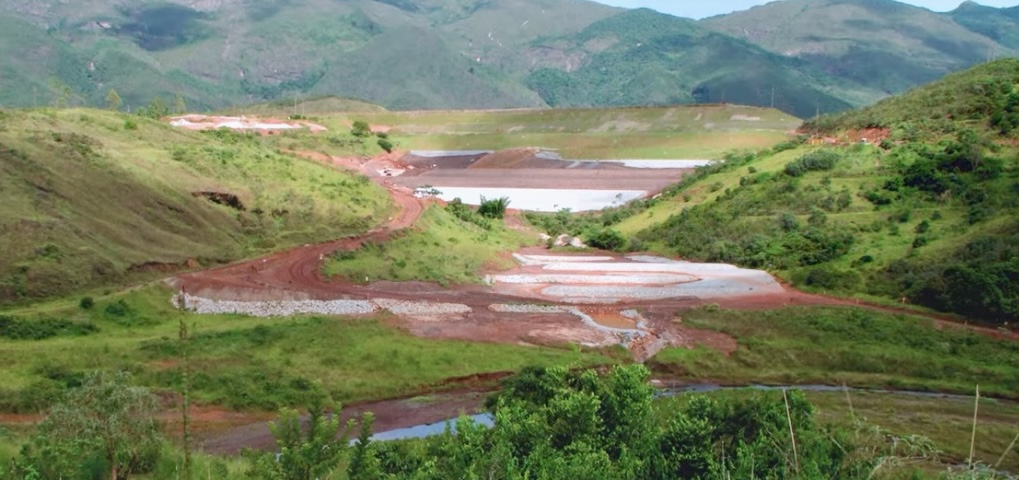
286	308
590	300
403	307
705	288
279	308
672	267
542	259
662	279
522	308
449	153
652	259
662	164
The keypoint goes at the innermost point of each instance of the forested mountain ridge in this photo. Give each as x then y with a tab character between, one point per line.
803	57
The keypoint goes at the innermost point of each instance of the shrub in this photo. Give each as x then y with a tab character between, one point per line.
494	208
607	239
386	144
130	124
120	308
86	303
820	160
832	278
18	329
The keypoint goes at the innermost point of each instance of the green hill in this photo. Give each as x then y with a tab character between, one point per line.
983	98
90	197
882	46
928	217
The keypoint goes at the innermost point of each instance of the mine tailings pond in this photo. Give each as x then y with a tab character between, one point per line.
438	428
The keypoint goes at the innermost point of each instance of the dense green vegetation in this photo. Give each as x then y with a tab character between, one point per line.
548	422
982	98
91	198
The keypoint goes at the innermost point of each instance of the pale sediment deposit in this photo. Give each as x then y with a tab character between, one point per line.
284	308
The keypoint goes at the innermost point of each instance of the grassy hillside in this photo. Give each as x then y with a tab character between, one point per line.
983	98
927	217
883	46
92	197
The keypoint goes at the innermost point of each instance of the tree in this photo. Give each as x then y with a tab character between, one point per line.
157	109
361	129
113	100
180	106
106	419
303	456
363	464
386	144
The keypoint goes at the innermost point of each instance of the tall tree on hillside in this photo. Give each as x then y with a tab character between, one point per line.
113	100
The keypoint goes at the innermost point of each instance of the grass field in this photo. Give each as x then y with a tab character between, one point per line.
439	248
243	362
846	345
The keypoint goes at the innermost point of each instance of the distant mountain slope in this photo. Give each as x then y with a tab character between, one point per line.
998	24
882	45
644	57
803	56
399	53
